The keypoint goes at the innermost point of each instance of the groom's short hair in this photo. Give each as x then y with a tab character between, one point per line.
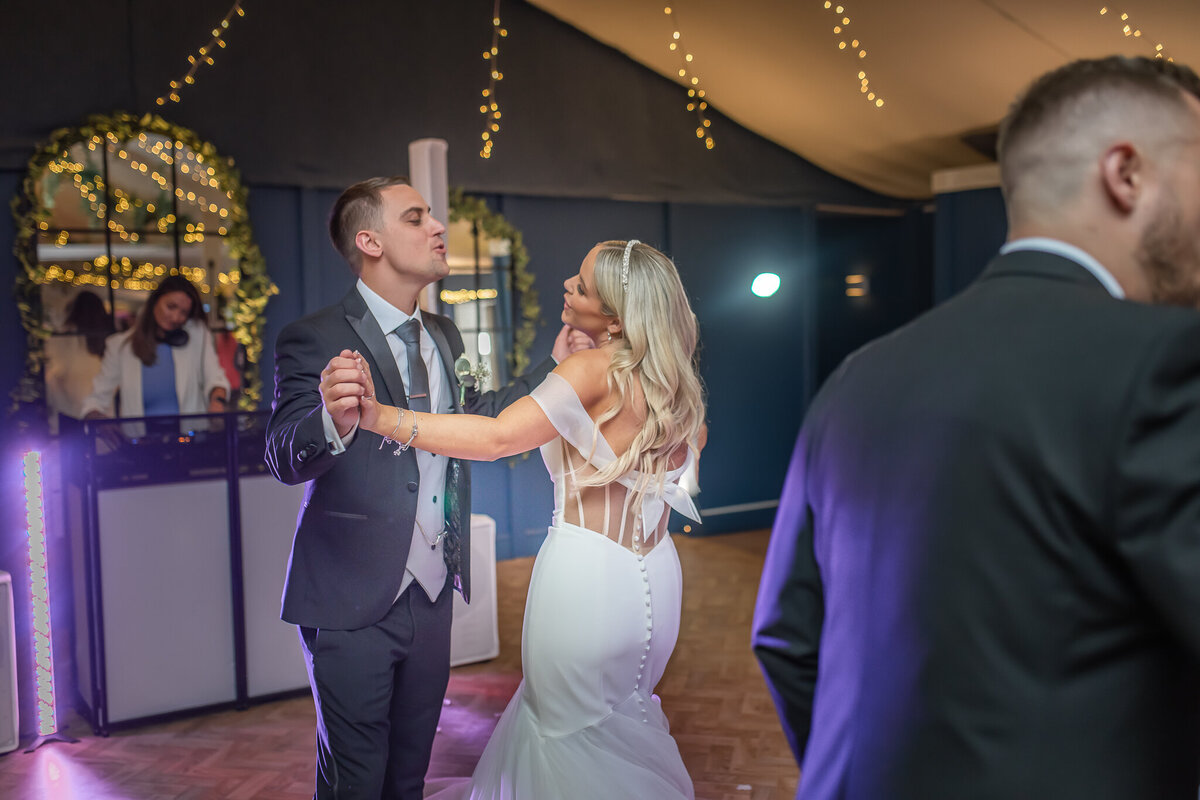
357	209
1055	130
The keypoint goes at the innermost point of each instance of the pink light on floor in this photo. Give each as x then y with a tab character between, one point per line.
39	587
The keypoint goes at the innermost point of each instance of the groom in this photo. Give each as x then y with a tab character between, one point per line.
382	535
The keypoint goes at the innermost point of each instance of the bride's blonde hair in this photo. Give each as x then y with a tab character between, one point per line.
657	348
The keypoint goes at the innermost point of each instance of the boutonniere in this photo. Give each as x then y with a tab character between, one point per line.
469	375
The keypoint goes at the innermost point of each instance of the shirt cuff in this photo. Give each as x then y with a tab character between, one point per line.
337	444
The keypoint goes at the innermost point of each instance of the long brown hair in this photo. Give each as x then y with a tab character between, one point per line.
146	335
89	318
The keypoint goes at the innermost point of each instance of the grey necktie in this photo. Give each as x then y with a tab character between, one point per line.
418	376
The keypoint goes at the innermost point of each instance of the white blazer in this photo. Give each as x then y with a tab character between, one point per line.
197	373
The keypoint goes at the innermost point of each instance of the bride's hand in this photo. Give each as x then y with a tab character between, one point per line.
369	408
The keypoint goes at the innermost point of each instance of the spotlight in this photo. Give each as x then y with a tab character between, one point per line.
765	284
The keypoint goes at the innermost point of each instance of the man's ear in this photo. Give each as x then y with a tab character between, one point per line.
368	244
1121	169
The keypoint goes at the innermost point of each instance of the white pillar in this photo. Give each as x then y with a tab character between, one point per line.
427	171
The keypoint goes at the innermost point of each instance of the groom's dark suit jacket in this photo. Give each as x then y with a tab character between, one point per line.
356	523
984	577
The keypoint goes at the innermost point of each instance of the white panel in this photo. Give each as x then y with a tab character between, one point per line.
168	625
476	633
10	726
273	659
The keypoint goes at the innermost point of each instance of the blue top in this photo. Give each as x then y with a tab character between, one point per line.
158	384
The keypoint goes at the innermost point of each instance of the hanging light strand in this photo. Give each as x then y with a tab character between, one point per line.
203	56
852	45
1129	29
490	107
696	100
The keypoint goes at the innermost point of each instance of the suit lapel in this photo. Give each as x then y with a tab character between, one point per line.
367	327
443	346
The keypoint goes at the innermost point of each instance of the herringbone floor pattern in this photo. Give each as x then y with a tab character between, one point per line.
713	694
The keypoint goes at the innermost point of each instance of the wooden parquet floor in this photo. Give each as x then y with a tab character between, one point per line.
713	694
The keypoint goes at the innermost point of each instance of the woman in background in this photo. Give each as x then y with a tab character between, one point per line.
73	355
164	364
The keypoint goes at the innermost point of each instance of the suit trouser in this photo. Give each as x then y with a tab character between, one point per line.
378	694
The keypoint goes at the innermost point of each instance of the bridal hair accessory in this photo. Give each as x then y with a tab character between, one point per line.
391	438
469	375
625	262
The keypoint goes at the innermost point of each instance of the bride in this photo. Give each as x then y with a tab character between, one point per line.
618	426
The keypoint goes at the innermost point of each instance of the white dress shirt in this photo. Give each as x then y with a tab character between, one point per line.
1047	245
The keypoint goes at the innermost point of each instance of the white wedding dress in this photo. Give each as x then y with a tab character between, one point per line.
601	620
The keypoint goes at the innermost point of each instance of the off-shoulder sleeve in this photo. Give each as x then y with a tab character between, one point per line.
566	413
564	409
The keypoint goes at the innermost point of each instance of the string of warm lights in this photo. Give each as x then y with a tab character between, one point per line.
92	190
696	101
124	273
456	296
490	107
1128	29
854	46
204	55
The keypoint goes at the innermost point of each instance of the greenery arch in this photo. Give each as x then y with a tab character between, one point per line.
468	208
251	292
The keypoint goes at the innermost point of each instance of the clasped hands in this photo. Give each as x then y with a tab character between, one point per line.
348	389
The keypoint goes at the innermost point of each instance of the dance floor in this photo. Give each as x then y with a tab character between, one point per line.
713	694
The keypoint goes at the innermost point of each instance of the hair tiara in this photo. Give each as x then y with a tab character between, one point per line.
625	263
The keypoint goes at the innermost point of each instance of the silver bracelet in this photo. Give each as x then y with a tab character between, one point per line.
413	435
390	438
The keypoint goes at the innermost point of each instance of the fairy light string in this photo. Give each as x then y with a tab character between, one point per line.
203	56
852	45
490	107
1130	30
696	100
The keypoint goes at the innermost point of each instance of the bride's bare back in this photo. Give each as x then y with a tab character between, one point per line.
610	509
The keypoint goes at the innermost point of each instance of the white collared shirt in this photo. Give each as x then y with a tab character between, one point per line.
1059	248
430	517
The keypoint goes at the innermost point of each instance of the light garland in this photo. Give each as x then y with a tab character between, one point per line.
455	296
696	101
124	273
856	47
204	56
1128	29
91	187
490	107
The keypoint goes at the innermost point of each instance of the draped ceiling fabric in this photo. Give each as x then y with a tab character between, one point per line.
947	70
313	93
320	94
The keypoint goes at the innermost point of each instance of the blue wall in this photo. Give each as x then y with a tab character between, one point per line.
971	226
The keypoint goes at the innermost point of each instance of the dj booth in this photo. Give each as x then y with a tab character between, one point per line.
179	546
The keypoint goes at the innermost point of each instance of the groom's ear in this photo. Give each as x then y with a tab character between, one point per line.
368	244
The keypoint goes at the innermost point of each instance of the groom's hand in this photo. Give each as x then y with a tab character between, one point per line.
569	341
341	387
